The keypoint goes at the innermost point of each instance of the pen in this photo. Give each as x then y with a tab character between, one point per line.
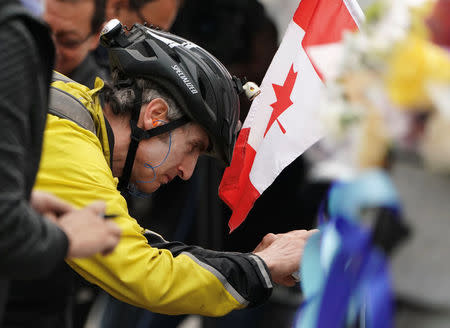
109	216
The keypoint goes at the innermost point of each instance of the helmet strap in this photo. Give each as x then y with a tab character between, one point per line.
138	134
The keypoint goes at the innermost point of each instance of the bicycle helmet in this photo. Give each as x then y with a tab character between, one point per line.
203	88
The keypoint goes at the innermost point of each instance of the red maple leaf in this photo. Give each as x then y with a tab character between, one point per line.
283	94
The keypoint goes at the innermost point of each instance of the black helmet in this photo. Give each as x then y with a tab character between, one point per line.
197	81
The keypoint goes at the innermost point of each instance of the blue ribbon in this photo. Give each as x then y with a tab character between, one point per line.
345	277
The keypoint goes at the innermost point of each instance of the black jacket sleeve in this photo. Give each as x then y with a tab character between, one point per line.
244	275
30	246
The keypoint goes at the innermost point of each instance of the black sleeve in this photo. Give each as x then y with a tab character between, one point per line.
30	246
244	275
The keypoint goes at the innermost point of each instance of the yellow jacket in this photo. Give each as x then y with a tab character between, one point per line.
144	269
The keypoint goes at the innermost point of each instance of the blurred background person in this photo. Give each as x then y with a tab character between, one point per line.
76	27
31	246
160	13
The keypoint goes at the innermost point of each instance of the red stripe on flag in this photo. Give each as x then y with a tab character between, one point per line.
235	189
249	195
305	12
229	186
323	21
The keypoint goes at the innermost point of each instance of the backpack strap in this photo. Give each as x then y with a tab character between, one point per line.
65	105
59	77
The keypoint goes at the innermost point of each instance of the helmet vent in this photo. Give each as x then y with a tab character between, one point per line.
149	52
175	57
202	89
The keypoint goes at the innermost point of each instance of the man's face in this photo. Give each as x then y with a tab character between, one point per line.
161	13
71	26
182	148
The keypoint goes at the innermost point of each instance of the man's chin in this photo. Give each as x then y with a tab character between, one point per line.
155	186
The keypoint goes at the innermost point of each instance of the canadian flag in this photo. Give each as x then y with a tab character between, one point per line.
283	120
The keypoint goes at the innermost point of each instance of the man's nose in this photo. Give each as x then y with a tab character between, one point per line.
187	167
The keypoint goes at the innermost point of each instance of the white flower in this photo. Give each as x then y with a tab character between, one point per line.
336	113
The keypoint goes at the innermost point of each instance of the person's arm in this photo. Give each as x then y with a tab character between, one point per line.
87	230
30	246
282	254
144	270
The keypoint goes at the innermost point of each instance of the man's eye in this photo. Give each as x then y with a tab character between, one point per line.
194	147
68	42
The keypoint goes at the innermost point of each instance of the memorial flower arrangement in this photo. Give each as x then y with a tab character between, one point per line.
390	93
392	89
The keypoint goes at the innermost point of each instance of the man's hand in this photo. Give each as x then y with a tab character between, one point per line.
88	232
283	253
49	205
86	229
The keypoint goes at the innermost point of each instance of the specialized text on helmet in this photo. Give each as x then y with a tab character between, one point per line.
184	78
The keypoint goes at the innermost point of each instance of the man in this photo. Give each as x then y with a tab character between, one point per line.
177	102
30	245
160	13
76	26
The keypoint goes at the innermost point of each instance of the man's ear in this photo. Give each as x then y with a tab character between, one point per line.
153	114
